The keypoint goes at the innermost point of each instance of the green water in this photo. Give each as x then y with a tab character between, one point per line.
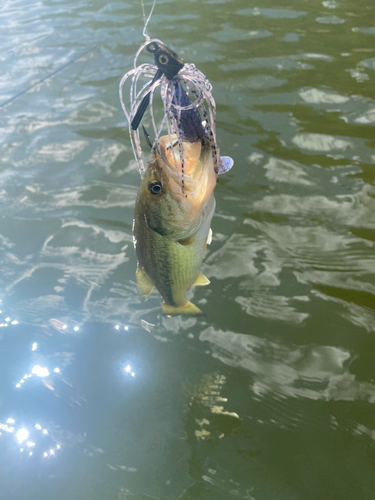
271	396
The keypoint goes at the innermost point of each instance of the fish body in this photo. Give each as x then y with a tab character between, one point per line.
172	221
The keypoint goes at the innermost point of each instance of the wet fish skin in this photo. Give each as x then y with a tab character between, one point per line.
171	226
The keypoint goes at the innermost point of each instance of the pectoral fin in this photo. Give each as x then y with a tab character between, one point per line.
187	308
202	280
144	284
207	242
209	237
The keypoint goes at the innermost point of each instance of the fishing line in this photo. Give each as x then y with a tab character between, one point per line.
145	34
187	103
48	76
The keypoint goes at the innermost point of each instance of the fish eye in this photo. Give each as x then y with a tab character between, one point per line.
163	59
155	187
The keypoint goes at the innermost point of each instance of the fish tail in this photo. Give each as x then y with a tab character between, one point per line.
187	308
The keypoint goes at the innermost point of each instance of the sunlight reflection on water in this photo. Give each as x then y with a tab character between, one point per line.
271	394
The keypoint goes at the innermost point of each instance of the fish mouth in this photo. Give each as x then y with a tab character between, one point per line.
170	148
196	177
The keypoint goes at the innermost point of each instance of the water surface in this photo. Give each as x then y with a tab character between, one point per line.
271	396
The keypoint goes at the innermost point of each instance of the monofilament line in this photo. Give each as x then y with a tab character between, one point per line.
146	21
60	68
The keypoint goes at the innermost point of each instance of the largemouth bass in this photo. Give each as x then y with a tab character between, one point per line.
172	221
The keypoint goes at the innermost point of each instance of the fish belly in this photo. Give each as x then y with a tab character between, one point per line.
172	266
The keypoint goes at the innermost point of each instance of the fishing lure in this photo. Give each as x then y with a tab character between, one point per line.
188	112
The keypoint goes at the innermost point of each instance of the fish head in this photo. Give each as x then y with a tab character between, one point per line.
175	200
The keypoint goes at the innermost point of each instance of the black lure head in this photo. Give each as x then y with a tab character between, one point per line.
167	61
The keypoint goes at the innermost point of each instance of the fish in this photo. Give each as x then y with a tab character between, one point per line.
175	201
172	220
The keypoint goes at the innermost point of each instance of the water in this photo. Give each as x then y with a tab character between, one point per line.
271	396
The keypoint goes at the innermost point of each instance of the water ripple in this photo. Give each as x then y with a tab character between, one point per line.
313	372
